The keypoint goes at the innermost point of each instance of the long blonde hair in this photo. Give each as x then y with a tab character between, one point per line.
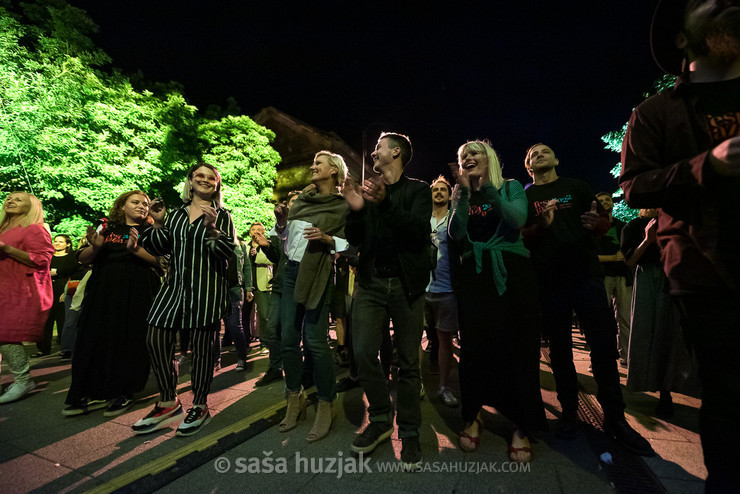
34	216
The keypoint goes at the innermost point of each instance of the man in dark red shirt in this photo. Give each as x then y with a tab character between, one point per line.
681	154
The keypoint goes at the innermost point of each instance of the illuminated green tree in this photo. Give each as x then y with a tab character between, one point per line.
78	136
240	149
613	141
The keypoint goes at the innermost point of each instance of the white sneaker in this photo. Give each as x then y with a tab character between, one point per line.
17	390
196	419
447	397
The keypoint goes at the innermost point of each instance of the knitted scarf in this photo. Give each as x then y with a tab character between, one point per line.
328	213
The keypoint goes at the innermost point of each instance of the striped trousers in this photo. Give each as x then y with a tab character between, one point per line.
161	345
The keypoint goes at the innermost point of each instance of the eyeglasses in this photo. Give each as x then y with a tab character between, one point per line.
201	176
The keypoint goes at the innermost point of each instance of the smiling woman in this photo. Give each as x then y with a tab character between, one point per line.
25	285
499	359
199	237
110	361
315	232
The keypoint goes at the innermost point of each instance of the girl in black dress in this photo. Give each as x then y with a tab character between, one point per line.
110	361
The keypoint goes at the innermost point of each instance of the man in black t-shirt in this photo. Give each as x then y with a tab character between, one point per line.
562	221
681	154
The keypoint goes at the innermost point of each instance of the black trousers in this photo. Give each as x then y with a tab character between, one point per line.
558	300
56	314
711	322
161	345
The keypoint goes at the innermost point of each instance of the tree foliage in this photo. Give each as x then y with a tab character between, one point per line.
613	142
77	136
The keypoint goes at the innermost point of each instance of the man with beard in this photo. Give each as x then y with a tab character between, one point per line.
681	154
389	222
441	301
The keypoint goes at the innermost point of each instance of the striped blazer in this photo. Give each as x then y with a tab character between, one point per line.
195	292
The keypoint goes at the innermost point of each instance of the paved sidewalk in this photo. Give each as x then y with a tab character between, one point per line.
42	451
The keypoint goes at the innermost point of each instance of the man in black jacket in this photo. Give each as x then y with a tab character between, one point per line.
389	222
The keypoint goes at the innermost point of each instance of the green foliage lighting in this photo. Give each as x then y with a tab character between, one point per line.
77	136
613	142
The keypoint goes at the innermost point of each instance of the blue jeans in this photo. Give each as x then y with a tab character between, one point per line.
234	326
271	335
313	326
374	305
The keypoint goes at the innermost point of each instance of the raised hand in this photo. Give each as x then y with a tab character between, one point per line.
352	195
590	219
133	240
281	214
209	217
260	239
157	211
463	178
94	238
651	231
373	190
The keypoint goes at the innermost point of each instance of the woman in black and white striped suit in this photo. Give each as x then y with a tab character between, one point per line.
199	238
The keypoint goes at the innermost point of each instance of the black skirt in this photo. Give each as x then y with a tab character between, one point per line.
500	347
110	356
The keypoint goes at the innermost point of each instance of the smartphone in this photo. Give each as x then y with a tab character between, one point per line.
157	204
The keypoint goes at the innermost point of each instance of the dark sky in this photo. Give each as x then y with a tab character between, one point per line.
517	73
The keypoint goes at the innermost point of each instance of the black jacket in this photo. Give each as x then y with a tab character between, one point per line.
405	211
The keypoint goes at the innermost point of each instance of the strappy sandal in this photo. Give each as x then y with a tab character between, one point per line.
474	440
514	452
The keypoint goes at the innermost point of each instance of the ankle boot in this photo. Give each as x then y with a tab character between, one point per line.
323	421
296	410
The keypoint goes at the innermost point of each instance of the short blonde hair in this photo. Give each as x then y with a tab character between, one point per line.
34	216
336	161
494	165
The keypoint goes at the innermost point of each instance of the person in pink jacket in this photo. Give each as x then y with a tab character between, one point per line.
25	285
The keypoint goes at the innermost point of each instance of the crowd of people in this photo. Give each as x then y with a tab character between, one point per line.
494	265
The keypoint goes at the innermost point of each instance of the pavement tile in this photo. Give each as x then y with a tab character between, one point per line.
674	466
684	486
15	476
580	480
91	450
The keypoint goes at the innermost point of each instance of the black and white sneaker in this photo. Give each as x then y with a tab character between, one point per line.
85	406
158	418
118	406
196	419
